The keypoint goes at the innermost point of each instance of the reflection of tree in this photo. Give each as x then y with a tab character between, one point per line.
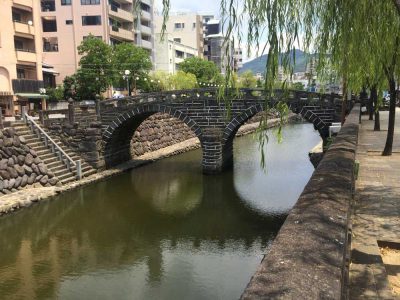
175	193
106	227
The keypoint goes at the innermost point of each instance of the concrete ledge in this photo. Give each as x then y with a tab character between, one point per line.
309	255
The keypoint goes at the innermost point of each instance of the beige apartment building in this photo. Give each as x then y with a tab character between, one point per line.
169	54
65	23
185	29
21	73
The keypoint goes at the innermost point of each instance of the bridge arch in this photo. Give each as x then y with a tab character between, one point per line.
232	128
118	135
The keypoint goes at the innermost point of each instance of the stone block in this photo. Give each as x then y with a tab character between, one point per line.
28	159
87	146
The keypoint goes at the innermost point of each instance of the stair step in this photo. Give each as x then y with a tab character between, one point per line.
67	176
55	164
49	156
60	167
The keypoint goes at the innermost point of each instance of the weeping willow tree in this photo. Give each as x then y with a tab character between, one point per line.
357	39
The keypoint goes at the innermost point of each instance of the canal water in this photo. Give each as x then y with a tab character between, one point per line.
162	231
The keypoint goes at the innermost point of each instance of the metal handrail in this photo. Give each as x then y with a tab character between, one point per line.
54	146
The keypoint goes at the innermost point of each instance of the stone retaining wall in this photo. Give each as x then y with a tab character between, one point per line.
309	257
82	137
161	130
19	164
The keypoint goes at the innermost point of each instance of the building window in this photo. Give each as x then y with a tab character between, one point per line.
179	25
144	7
177	40
68	22
179	54
90	2
16	16
91	20
20	73
48	5
93	36
65	2
18	45
49	25
50	44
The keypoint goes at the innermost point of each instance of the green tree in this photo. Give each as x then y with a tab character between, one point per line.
55	94
359	39
127	56
182	81
95	73
69	87
247	80
160	80
298	86
205	71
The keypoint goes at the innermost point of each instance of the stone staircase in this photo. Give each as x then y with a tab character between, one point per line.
51	159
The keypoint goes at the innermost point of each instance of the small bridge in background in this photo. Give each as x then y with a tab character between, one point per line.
214	121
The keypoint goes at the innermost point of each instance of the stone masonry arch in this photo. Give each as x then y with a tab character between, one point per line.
118	135
232	128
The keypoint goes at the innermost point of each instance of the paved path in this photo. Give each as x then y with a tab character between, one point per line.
377	211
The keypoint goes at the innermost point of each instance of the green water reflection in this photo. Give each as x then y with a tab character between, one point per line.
163	231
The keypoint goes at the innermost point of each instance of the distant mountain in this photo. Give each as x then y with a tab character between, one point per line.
257	65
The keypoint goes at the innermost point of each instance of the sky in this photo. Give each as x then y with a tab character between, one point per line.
203	6
199	6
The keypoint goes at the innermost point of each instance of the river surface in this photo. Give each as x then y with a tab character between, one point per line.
162	231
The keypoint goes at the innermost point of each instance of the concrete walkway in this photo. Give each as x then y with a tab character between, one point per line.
376	213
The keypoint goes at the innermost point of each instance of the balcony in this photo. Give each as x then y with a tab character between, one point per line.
146	44
119	13
26	85
24	29
145	15
23	3
145	29
121	33
26	55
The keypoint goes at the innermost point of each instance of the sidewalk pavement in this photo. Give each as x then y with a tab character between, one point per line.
376	216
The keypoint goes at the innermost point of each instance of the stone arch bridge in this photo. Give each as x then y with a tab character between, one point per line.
208	117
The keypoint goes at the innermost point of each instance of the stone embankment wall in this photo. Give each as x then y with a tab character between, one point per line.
162	130
309	257
19	164
83	136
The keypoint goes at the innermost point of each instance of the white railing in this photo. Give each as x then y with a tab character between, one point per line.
54	147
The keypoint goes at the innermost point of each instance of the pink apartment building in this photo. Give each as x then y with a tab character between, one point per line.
65	23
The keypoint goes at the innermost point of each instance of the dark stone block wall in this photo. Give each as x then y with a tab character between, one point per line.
157	132
84	136
162	130
19	164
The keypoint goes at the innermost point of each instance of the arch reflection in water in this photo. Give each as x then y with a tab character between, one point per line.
125	238
288	169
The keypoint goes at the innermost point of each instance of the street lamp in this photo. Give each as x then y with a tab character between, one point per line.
126	76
